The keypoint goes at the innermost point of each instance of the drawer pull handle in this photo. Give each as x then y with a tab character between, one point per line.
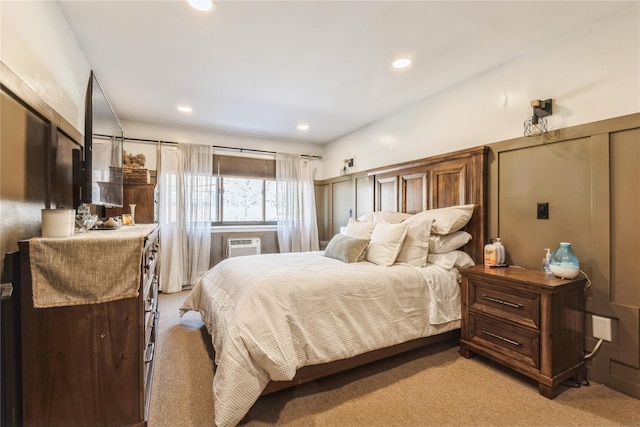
491	334
148	354
499	301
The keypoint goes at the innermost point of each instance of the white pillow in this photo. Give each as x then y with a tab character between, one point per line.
441	244
451	259
416	245
390	217
447	220
359	230
386	242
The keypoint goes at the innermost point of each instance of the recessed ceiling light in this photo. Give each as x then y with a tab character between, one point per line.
202	5
185	109
303	126
402	63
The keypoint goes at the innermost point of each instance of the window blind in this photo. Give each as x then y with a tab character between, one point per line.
244	167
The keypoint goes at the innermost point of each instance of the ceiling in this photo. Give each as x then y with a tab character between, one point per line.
261	67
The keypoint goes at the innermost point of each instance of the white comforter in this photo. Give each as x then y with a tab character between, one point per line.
271	314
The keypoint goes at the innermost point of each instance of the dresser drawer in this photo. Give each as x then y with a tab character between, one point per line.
516	305
149	261
518	344
151	310
150	333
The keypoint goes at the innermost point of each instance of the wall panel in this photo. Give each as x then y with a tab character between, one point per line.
558	174
35	148
323	207
625	202
364	201
589	175
23	182
342	204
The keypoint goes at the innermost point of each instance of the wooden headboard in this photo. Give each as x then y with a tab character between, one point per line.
456	178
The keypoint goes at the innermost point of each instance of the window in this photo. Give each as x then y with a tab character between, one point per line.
246	191
247	200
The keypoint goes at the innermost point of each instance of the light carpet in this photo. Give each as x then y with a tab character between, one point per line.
432	386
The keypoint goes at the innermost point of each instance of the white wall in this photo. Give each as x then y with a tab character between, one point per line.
591	75
196	136
37	45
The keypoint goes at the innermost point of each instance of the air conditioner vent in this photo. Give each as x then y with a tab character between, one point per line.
239	242
243	246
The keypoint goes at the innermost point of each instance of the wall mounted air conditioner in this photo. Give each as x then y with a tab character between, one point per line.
243	246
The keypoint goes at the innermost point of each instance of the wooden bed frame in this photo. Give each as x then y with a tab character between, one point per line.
451	179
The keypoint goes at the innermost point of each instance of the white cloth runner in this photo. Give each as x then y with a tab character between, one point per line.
87	268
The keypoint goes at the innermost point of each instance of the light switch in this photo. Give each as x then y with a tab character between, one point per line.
543	210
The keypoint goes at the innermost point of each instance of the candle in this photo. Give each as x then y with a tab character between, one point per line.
58	223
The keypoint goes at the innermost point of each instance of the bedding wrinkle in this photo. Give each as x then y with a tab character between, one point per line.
271	314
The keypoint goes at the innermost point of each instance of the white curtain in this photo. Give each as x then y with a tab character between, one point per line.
186	202
297	223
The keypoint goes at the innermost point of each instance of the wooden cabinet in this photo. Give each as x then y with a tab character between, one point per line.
90	364
143	196
526	320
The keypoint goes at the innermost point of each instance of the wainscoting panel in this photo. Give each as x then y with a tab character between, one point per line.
589	176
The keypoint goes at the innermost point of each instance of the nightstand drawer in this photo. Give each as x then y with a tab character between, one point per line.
518	344
506	303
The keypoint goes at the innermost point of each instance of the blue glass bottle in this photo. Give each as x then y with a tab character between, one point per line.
563	262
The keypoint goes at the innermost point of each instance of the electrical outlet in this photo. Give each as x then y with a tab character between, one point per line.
601	328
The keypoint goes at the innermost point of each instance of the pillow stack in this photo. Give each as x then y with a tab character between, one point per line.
385	238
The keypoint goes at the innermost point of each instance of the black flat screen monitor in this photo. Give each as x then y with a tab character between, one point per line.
103	141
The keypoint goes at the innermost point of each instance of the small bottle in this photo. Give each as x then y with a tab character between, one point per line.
501	254
490	254
545	261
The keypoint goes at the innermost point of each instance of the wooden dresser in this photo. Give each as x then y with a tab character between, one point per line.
141	195
526	320
90	364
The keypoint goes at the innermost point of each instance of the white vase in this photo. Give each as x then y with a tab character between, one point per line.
133	214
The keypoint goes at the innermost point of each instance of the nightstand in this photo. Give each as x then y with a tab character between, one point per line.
526	320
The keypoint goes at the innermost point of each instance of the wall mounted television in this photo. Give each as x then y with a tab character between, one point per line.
103	145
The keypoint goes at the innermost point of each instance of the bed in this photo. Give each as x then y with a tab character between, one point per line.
278	320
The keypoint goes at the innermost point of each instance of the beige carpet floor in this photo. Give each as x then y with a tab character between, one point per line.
434	386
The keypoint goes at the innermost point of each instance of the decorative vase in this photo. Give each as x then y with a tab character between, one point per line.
133	214
563	262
